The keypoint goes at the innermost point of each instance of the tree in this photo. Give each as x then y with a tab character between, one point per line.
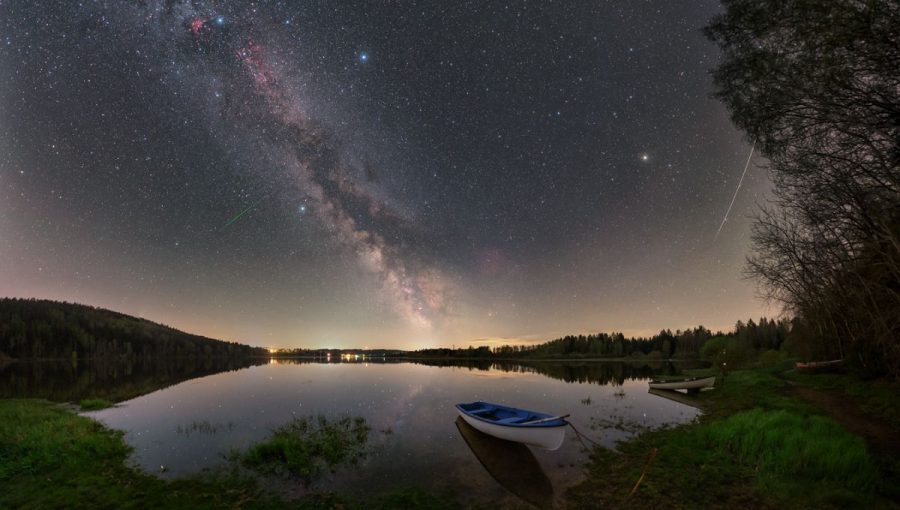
816	86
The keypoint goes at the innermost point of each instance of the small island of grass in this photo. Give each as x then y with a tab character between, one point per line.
307	447
94	404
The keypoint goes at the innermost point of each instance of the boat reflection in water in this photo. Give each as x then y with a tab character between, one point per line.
511	464
676	396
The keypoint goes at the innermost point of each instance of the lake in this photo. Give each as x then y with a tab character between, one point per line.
191	423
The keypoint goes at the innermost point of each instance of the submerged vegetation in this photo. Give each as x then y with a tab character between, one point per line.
307	447
52	458
94	404
203	427
758	444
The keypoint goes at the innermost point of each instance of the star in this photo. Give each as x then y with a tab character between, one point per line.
406	168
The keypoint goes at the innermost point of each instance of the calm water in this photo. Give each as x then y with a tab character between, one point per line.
188	427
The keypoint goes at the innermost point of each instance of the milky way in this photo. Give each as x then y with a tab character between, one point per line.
306	151
353	173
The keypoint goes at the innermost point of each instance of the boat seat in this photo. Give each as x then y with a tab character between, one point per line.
512	419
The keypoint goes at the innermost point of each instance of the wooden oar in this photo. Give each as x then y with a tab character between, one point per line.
542	420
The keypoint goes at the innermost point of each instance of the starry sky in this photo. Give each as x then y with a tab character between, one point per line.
374	173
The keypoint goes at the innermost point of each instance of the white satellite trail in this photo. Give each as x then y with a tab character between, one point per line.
746	166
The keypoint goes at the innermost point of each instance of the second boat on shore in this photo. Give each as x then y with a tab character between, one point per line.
693	384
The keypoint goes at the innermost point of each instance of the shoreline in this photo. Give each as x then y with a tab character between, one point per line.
693	466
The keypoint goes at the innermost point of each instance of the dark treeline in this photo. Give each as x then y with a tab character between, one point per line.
42	329
335	354
763	335
482	352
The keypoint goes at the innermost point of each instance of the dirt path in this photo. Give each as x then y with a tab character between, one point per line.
845	411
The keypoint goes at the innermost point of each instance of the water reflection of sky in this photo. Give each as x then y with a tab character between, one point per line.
413	402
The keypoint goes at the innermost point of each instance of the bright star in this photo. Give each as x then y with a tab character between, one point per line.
220	20
645	157
363	57
301	209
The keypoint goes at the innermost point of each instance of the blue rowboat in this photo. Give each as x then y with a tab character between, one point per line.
513	424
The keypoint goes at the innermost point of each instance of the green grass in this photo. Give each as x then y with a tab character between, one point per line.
879	398
39	438
791	452
400	499
94	404
755	446
687	473
52	458
307	447
742	390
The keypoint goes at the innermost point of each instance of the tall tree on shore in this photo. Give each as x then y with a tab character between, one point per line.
817	86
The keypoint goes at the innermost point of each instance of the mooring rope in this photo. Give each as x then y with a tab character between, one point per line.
650	459
579	435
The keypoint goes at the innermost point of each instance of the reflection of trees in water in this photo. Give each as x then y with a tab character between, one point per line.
123	380
601	372
471	364
595	372
111	380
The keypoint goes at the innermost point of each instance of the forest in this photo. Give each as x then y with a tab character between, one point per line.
815	86
745	341
42	329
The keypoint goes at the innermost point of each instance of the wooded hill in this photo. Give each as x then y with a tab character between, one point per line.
745	339
33	329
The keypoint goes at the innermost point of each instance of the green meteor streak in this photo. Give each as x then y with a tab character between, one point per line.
232	220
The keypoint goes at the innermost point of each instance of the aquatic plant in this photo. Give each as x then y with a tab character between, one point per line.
307	446
94	404
202	427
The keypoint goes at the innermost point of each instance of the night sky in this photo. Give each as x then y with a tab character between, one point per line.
379	174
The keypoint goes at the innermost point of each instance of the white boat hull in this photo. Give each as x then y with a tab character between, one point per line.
696	384
548	438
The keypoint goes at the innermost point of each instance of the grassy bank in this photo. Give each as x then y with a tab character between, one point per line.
757	445
52	458
877	398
